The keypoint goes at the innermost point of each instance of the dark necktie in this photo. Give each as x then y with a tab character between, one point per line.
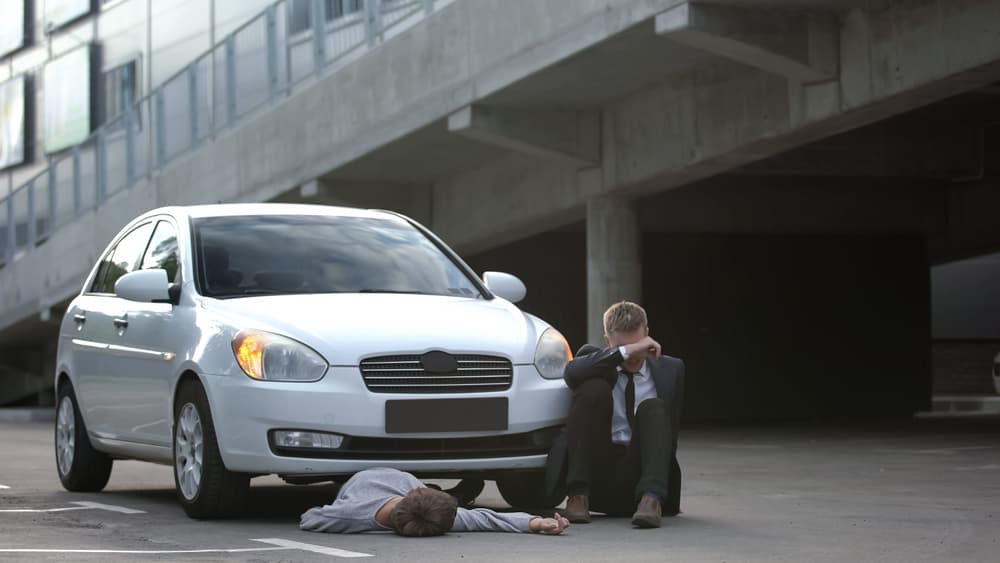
630	398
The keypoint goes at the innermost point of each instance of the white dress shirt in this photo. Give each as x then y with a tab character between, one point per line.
621	432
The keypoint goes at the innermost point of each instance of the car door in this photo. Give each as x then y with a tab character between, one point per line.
145	349
105	399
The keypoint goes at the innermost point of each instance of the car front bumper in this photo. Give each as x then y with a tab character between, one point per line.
245	411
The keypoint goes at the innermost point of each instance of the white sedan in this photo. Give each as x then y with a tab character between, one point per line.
232	341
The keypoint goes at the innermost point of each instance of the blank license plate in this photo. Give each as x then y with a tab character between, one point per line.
446	415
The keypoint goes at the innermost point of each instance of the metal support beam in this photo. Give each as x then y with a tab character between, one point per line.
373	21
100	167
272	50
130	146
802	46
77	203
192	76
230	80
53	201
573	136
161	128
318	14
32	223
11	231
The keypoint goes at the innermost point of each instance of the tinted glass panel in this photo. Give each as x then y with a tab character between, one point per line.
251	255
122	259
299	17
162	251
119	89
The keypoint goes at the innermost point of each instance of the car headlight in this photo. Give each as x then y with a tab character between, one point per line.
552	354
272	357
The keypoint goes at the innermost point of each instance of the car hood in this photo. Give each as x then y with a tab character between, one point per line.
345	328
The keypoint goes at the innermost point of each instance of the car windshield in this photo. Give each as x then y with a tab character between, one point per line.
293	254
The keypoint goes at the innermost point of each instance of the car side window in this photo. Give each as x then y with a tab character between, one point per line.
122	259
162	252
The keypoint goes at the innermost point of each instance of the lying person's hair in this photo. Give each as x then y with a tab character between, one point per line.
424	512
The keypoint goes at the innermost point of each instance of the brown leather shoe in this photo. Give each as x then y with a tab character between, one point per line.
648	513
578	509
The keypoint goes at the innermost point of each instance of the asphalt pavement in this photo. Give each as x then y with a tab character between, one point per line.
926	490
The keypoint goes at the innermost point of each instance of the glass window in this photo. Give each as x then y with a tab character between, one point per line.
122	259
253	255
162	252
119	89
339	8
300	18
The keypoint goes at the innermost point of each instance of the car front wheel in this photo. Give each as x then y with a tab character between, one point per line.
81	468
205	488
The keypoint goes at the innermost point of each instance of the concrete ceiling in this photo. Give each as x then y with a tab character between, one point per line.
589	80
426	155
602	74
818	4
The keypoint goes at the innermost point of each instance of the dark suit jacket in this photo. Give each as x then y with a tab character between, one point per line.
668	377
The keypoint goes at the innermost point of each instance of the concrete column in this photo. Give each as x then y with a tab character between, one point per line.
614	263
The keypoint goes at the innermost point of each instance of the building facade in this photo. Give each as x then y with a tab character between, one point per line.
774	179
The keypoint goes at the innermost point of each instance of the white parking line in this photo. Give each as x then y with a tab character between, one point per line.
4	487
279	543
323	550
81	505
145	551
108	507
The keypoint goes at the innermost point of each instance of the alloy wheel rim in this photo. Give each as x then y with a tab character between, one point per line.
65	435
188	448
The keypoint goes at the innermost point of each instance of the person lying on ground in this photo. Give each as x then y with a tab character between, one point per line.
384	499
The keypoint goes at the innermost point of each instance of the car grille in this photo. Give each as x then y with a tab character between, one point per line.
405	374
364	447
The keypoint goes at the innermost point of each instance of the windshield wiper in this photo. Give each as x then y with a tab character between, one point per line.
404	291
258	291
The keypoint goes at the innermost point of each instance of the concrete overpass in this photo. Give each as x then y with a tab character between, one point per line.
772	178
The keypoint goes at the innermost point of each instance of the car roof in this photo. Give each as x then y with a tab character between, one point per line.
238	209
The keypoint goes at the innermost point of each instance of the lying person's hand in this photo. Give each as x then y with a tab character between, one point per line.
549	526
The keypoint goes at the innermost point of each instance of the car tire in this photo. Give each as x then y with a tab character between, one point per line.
205	489
526	489
81	468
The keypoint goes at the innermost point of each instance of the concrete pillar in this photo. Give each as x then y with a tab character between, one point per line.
614	262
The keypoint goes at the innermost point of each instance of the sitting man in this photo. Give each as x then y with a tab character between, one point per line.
619	449
385	499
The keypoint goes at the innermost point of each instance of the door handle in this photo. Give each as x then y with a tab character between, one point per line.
120	322
80	318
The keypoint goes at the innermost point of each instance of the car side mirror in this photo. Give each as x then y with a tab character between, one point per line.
506	286
145	286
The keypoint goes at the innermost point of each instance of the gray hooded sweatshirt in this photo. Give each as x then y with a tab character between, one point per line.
354	509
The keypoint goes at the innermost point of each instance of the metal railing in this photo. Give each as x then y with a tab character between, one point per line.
261	62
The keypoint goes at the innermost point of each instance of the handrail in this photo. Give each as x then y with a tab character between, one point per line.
214	92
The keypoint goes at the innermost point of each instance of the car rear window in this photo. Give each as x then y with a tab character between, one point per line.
282	254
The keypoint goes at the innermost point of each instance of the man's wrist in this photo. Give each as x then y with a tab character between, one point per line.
623	350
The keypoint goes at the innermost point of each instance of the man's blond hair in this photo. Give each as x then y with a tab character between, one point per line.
424	512
624	316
